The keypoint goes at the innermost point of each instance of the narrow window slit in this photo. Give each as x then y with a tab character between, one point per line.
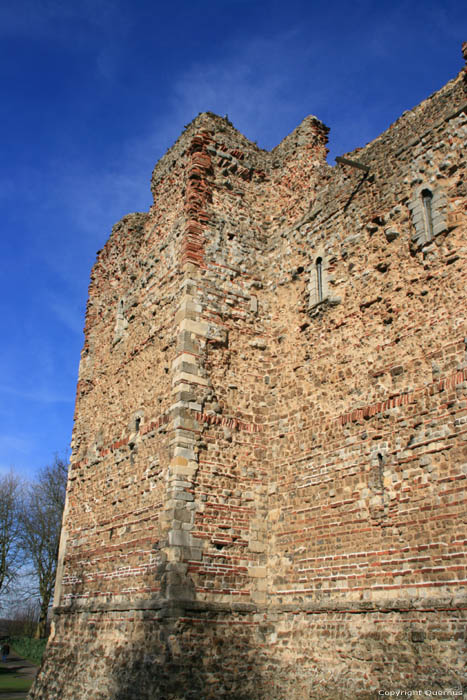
319	279
381	471
427	199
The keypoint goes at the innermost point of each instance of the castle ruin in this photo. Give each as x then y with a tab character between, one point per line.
266	496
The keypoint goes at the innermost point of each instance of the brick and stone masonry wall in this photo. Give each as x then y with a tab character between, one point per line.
368	441
267	486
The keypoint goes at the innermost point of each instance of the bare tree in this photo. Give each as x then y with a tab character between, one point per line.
10	541
41	522
22	619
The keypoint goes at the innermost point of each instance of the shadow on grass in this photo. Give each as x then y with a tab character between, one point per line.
10	682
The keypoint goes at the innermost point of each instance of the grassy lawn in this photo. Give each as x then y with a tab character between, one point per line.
11	683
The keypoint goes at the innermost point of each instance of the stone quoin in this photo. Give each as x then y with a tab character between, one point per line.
266	496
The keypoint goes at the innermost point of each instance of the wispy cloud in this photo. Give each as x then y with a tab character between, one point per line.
101	198
53	18
68	312
251	83
44	396
15	443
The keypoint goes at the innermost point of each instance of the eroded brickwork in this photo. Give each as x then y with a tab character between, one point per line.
267	489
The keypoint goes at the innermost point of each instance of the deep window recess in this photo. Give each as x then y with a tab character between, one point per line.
121	323
429	208
319	285
319	279
427	200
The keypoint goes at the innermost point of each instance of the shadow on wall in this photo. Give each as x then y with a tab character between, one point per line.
191	658
176	648
149	654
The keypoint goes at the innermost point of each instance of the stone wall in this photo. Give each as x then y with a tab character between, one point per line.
269	455
368	441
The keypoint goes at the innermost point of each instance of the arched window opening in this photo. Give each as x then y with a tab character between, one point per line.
427	199
319	278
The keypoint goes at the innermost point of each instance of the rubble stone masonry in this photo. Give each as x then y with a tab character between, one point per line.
266	496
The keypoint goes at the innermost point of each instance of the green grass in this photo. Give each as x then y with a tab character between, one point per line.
30	649
12	683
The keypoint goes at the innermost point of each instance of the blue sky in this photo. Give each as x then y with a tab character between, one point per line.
93	94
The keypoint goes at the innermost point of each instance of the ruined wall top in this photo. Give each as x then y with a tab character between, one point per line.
222	130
